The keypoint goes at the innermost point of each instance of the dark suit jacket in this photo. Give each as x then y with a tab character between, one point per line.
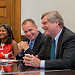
65	54
37	45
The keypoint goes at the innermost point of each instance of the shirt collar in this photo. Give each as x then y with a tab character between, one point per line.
58	35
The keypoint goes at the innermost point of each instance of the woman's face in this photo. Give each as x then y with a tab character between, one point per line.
3	33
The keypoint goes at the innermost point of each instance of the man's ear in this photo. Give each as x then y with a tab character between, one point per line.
57	22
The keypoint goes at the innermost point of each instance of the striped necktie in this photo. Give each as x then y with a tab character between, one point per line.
52	57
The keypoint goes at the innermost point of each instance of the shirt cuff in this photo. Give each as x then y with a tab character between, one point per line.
25	50
42	64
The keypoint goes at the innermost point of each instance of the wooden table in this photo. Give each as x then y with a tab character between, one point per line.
18	68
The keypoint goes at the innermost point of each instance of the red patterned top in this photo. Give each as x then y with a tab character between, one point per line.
5	68
6	51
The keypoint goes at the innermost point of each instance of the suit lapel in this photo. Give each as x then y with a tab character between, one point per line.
37	40
48	47
59	45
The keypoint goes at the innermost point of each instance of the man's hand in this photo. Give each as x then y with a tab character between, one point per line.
24	45
31	60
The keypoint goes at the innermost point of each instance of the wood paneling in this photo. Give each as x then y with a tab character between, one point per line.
5	11
10	13
17	20
22	36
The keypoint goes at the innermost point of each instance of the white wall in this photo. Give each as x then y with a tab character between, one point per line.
34	9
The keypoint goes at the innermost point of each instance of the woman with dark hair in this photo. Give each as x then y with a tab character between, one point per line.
8	46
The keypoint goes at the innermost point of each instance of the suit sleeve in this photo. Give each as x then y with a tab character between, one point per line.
29	51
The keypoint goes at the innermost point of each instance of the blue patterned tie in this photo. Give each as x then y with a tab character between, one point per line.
30	44
52	57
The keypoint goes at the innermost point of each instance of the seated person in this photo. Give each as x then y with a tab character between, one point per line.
35	37
8	46
58	51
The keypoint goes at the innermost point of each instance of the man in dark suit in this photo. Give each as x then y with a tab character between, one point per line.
32	35
54	28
